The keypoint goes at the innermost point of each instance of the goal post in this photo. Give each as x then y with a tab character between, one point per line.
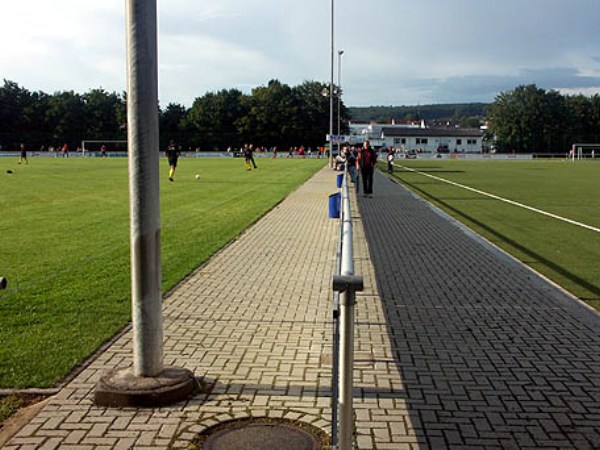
584	150
94	146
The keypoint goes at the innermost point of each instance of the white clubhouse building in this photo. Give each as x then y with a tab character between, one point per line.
416	137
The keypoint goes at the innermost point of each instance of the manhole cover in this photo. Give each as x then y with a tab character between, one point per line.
262	434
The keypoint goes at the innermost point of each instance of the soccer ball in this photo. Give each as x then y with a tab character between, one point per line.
197	176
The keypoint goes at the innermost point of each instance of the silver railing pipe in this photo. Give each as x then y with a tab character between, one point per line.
346	283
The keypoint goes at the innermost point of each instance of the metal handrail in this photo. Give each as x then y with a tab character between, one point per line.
345	285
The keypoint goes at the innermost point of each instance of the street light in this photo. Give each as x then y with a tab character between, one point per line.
331	92
339	93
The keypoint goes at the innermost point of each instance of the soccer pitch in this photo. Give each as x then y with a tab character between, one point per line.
65	247
526	212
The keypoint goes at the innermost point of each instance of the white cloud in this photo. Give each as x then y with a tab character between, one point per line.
588	91
395	52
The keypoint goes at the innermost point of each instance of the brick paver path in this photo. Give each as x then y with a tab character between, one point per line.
456	345
488	354
255	320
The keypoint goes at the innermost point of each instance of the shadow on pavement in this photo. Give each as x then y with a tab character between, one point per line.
488	357
595	290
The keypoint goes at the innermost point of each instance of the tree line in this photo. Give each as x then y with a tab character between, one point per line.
271	115
526	119
529	119
467	114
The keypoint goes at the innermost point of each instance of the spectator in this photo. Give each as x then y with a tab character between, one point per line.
367	158
351	160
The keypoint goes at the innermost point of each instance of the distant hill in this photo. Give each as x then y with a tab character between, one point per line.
383	114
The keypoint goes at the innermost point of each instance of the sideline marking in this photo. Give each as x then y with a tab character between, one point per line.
502	199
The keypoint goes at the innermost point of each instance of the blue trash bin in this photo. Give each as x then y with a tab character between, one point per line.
334	205
340	178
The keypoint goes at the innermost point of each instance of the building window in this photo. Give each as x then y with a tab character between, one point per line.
421	140
399	140
459	142
471	141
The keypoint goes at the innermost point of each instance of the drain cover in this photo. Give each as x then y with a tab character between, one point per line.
262	434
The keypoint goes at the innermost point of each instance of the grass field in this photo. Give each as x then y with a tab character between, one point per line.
65	247
566	253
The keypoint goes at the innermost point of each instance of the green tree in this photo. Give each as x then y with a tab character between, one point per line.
527	119
594	121
66	118
214	120
272	113
172	124
14	101
580	118
102	118
313	122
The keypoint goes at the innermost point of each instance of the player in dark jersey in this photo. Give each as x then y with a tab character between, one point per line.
172	155
23	154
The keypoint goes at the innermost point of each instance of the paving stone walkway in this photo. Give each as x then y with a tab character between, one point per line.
457	346
489	355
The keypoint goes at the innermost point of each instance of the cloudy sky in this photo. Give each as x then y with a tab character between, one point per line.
396	52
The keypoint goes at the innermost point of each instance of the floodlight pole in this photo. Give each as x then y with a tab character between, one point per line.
331	164
144	195
339	97
148	383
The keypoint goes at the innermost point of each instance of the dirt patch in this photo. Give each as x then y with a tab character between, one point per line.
16	411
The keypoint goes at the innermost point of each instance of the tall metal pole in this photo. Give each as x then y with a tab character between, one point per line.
148	383
142	136
339	95
331	164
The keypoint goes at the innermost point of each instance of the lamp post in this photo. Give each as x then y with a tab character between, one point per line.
339	95
331	92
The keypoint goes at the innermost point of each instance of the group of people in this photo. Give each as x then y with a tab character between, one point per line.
173	152
359	160
63	150
362	159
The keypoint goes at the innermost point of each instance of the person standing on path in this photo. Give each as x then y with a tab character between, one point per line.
367	158
173	156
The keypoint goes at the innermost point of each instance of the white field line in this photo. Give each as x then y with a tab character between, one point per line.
505	200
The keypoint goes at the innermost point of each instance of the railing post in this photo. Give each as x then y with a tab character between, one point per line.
347	285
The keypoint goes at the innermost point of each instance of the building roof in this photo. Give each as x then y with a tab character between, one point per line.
432	132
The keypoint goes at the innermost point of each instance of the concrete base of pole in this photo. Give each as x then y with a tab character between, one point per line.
122	388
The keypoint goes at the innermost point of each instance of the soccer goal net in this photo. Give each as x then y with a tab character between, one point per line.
98	147
583	151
